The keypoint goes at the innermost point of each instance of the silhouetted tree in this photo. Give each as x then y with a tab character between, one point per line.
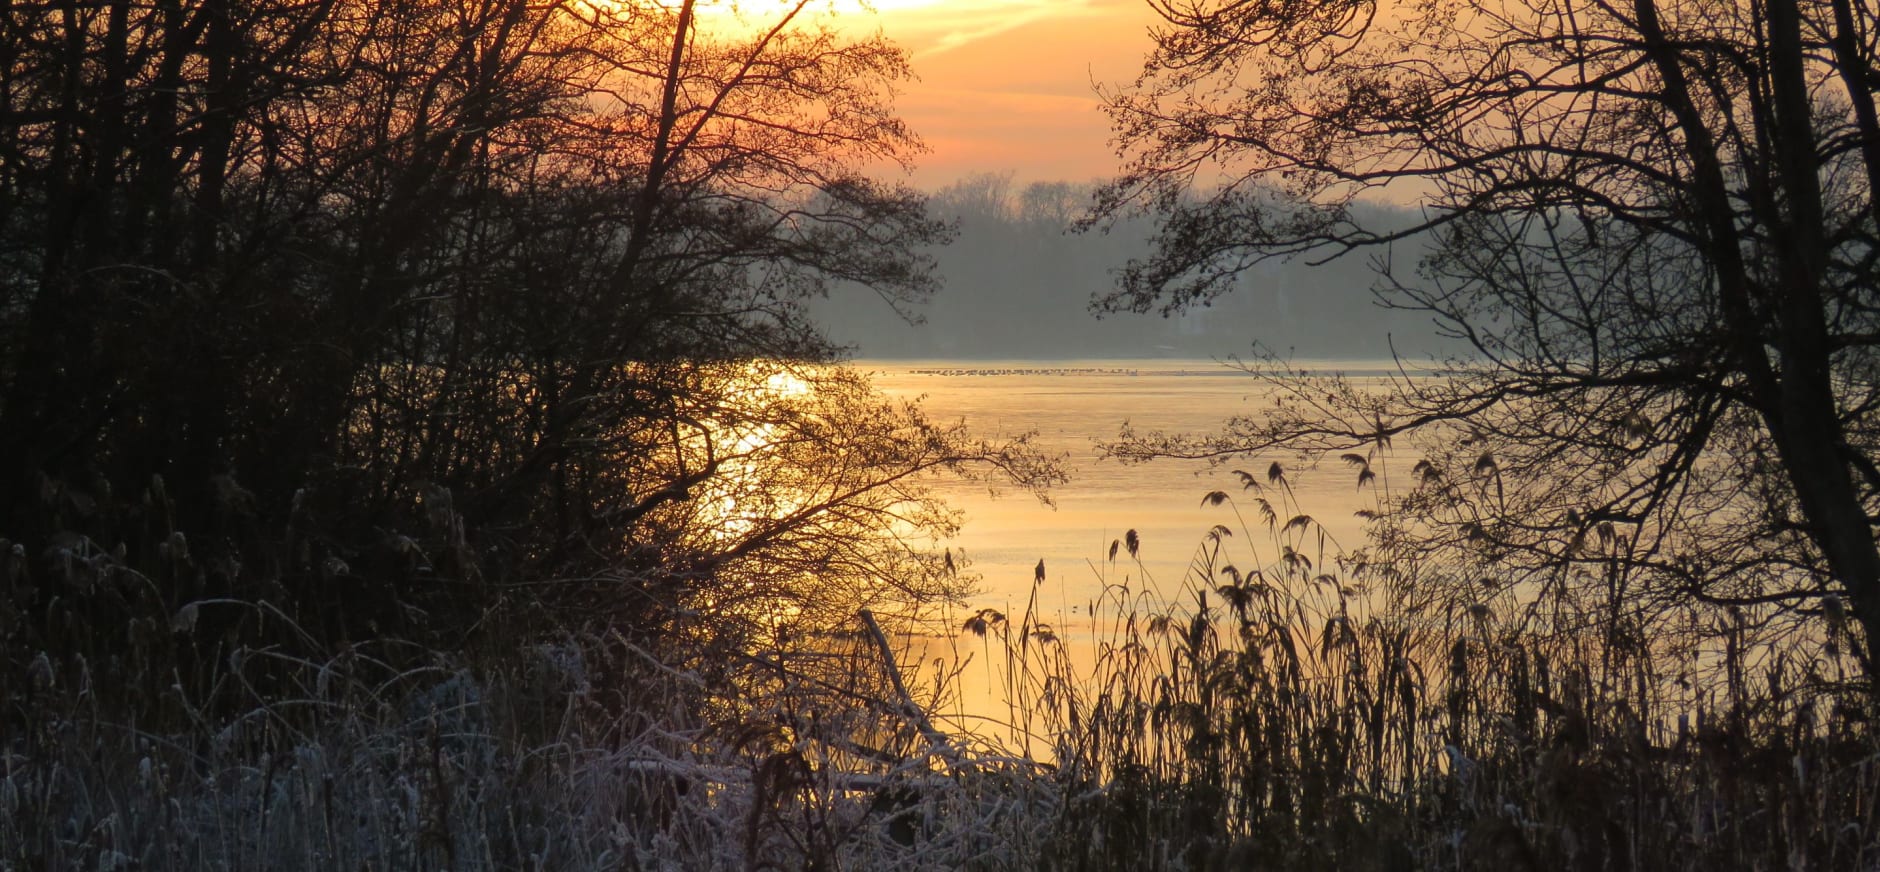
1655	228
423	319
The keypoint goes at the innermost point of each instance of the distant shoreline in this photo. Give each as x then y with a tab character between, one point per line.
1121	367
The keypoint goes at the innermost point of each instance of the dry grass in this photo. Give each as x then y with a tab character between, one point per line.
1348	714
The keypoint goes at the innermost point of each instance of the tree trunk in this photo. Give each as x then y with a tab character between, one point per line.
1807	426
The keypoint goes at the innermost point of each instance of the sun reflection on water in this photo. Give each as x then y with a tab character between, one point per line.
757	425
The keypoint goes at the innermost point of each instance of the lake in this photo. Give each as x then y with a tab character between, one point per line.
1074	405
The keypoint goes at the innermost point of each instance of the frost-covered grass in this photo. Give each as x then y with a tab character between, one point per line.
446	768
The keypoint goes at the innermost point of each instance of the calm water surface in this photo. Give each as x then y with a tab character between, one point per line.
1072	406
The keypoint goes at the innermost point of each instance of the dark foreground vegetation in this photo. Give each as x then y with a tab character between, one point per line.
406	406
1313	713
413	455
1320	709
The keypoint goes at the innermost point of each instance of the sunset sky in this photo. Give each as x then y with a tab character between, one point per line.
1005	85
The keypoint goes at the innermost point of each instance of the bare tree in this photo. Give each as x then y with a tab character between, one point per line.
418	317
1653	223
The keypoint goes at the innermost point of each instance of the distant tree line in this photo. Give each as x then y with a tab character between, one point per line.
1020	279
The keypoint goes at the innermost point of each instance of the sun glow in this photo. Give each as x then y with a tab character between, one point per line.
747	440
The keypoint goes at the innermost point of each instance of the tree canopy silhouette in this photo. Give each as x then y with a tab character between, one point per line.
1653	224
400	314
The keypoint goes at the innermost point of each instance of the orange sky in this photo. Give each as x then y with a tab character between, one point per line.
1005	85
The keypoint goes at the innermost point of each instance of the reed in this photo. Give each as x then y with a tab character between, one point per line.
1286	705
1357	713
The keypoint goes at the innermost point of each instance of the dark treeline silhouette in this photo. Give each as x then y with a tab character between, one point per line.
1018	280
399	380
349	321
